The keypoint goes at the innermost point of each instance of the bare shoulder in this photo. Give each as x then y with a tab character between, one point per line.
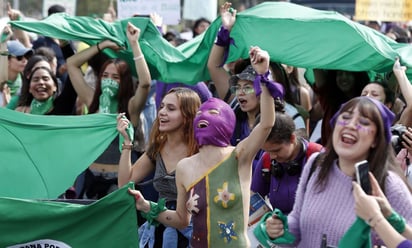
187	161
185	168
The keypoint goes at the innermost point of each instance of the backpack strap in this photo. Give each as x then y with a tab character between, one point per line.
313	166
312	148
266	161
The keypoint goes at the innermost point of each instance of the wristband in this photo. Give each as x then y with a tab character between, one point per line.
155	210
98	48
138	57
397	222
127	147
275	89
223	39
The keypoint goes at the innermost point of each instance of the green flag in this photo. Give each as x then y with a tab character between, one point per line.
109	222
41	155
292	34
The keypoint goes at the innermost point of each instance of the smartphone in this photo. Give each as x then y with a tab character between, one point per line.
362	176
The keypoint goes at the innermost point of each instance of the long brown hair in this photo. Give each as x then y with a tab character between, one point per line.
26	97
381	158
189	102
126	86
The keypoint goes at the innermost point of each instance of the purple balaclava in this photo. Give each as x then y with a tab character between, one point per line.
214	123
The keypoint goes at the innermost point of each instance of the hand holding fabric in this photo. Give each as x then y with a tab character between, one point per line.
228	15
141	203
133	33
6	33
156	19
398	70
122	126
110	44
274	227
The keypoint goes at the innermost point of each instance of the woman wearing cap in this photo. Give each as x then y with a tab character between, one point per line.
236	90
242	90
14	56
41	87
324	202
213	186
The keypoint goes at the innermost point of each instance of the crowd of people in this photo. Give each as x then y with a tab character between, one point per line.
197	152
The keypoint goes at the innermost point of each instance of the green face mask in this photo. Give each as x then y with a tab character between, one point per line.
41	108
108	98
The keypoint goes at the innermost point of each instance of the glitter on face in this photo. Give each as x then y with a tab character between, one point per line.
358	126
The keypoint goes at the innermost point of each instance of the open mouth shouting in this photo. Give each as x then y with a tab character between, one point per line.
202	124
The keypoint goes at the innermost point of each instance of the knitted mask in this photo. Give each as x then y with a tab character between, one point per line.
107	100
214	123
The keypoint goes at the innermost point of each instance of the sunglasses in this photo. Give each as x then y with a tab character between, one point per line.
19	58
245	90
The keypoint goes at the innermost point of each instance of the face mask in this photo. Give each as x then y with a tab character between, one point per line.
41	108
108	99
214	123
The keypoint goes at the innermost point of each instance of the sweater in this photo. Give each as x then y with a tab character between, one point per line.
331	211
405	244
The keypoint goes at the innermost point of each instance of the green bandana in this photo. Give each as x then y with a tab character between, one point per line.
108	101
15	85
41	107
358	235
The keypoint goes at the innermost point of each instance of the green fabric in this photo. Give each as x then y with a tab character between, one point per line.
155	210
41	107
3	37
304	37
41	156
358	235
108	99
15	85
109	222
397	222
264	239
14	100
